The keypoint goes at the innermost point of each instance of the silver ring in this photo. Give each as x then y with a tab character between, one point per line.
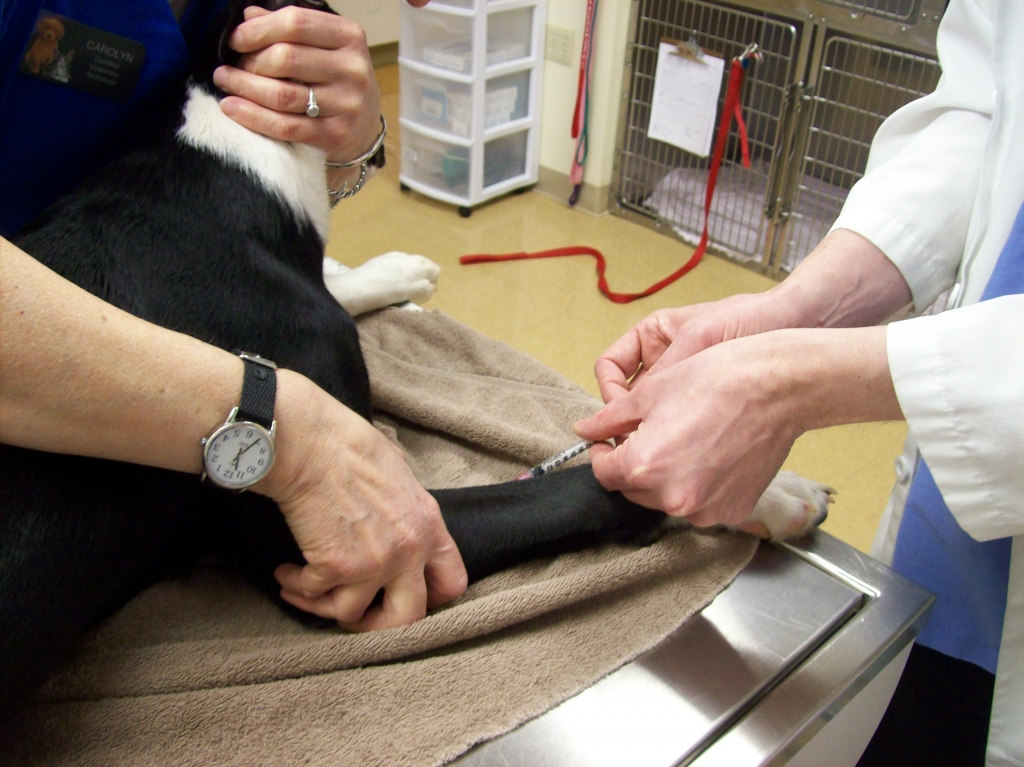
312	108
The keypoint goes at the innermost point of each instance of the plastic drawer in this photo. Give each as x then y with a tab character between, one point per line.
506	98
443	105
505	158
442	166
447	106
441	40
509	36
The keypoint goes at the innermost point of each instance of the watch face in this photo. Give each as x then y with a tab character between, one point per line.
238	454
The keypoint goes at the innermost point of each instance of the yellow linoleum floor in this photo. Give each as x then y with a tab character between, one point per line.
551	308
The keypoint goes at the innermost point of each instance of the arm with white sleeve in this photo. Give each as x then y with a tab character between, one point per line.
943	186
916	199
899	238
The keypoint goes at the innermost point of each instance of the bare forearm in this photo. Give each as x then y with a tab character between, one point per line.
845	282
79	376
832	376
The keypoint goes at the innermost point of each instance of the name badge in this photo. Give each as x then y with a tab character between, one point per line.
84	58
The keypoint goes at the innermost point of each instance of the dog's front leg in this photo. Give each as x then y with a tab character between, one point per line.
392	278
498	526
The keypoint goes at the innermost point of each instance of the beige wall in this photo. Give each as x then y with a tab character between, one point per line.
560	82
378	17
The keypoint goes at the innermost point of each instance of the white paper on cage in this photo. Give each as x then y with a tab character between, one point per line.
685	100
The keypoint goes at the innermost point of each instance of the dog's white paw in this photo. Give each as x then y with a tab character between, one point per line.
789	508
391	278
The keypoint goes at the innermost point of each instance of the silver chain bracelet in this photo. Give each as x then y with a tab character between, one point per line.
336	195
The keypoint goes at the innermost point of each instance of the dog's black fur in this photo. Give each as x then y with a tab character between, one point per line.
177	237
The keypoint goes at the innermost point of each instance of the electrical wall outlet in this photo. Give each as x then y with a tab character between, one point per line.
560	45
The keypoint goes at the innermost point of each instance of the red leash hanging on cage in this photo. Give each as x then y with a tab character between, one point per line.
730	110
581	114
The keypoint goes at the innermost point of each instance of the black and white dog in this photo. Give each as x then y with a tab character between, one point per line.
184	232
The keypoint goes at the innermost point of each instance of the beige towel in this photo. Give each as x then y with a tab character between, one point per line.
203	671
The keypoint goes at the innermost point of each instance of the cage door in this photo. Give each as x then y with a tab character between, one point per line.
666	185
859	85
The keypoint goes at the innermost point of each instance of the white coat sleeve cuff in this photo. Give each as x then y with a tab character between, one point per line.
959	378
915	206
917	196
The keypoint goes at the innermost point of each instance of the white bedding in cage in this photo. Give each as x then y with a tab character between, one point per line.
737	224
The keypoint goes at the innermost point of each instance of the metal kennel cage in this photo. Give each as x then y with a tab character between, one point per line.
832	71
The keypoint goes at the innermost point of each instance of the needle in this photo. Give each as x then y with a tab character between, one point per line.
556	460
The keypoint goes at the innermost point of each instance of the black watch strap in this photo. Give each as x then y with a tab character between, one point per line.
259	391
377	160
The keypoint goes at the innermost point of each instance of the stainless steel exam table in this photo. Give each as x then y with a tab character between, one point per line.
792	664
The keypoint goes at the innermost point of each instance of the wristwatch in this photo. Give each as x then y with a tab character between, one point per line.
240	452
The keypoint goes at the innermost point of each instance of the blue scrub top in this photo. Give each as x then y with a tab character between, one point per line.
970	578
52	136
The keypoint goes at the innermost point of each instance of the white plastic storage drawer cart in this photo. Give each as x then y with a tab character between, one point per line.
471	74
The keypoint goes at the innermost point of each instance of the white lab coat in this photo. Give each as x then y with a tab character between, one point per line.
945	180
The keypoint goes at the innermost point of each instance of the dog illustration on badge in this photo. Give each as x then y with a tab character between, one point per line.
45	47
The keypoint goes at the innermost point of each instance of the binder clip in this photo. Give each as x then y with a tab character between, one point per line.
690	49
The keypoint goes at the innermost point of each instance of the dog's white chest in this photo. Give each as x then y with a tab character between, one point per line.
293	172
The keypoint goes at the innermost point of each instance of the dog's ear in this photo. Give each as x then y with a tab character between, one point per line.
236	15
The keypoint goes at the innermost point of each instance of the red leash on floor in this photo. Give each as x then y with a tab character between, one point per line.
731	109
